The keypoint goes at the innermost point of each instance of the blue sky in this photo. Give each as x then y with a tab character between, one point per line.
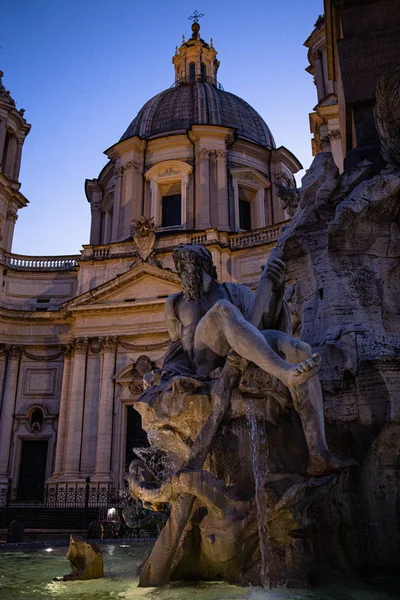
82	69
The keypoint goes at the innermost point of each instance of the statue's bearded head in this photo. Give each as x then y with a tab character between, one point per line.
191	262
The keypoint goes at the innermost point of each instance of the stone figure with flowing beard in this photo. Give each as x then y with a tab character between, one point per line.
208	319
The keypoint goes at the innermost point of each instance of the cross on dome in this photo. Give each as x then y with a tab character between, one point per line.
195	16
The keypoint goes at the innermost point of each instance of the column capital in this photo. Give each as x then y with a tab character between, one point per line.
131	165
11	215
95	205
14	351
203	153
110	343
80	345
118	171
68	349
221	154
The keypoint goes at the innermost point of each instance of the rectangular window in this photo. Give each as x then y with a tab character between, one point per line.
171	210
244	215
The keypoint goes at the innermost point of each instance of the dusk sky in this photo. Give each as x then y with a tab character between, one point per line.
82	69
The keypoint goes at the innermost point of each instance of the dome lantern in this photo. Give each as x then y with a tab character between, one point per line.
195	60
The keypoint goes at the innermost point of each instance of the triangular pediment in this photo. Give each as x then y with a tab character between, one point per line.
140	284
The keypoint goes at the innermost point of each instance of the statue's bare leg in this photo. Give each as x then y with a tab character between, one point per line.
224	327
308	402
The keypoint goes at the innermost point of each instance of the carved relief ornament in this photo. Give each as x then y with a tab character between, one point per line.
144	236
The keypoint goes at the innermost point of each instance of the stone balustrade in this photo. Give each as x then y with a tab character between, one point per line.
266	235
236	241
39	263
101	252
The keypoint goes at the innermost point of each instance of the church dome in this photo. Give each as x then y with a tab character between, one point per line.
176	109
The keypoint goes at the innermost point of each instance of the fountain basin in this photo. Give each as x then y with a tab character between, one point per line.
27	573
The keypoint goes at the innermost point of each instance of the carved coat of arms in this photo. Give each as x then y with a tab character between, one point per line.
144	236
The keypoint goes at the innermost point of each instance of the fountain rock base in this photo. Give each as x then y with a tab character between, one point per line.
222	539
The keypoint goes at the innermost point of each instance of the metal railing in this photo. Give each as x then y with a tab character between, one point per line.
61	506
39	263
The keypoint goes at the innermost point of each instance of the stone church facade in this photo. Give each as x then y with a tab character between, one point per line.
196	165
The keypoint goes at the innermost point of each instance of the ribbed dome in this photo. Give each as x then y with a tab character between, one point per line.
178	108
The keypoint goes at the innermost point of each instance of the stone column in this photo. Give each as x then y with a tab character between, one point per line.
137	183
117	202
10	158
63	413
203	187
18	156
105	412
75	410
3	131
11	219
92	395
235	186
222	190
95	225
319	76
8	408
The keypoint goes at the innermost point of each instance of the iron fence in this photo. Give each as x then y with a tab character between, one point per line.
61	506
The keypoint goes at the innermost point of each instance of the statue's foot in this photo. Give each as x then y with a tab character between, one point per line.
300	373
327	463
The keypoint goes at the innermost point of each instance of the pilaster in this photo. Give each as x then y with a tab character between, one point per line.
75	410
91	413
203	185
105	413
63	413
8	408
222	189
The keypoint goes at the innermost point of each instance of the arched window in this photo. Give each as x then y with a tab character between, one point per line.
36	420
169	182
192	72
203	71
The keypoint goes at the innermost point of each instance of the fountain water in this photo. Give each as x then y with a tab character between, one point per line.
258	438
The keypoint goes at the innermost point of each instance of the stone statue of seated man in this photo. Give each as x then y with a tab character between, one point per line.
209	319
